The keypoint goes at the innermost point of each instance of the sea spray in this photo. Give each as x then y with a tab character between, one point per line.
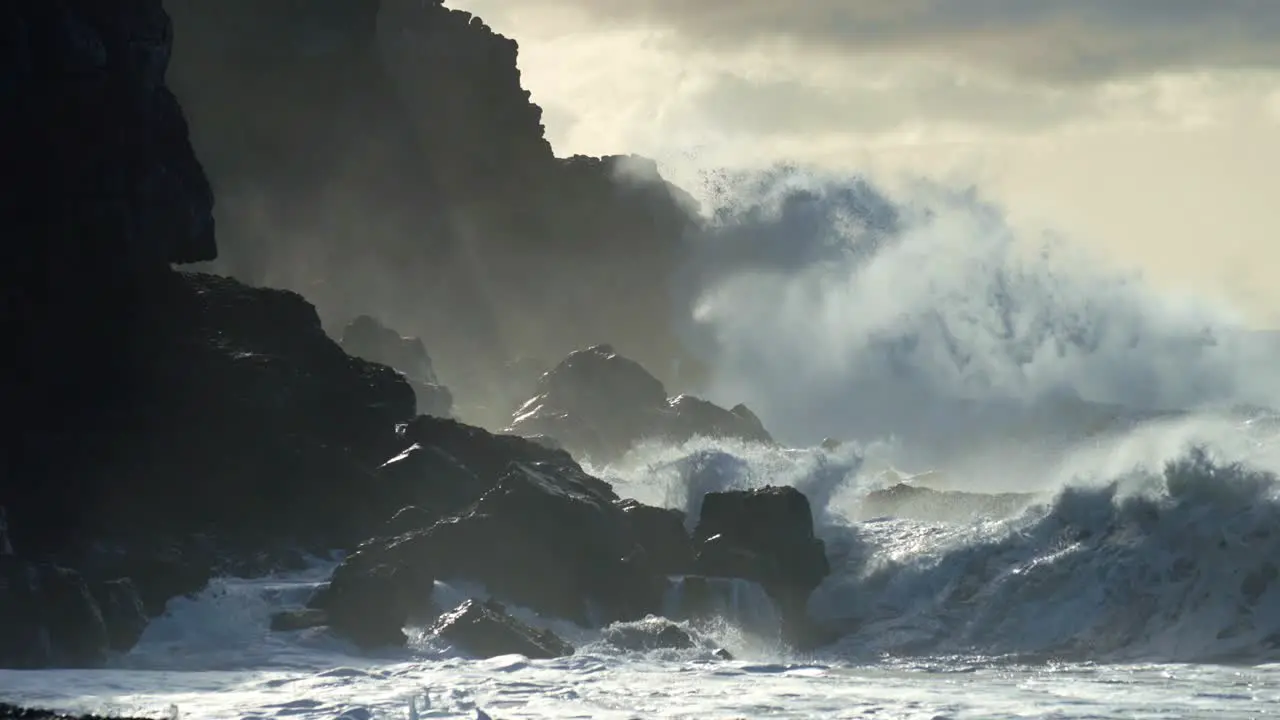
835	309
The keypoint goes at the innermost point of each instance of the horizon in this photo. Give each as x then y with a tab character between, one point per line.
1180	104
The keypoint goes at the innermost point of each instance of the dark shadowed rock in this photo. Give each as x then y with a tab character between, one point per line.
123	612
213	410
546	537
600	404
369	601
651	633
765	535
408	519
485	629
231	416
661	532
50	617
447	466
428	478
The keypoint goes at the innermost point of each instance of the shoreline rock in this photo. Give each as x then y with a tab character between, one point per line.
176	426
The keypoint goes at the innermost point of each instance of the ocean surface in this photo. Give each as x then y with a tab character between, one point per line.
1139	577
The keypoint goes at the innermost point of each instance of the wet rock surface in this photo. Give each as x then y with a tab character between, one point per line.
485	629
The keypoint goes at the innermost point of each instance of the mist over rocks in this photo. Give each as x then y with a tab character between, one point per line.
366	338
382	158
600	404
172	427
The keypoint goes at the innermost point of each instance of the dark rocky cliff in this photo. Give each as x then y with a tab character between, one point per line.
383	159
156	418
168	427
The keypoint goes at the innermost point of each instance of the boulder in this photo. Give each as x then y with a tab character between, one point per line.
600	404
651	633
765	535
448	466
485	629
369	602
428	478
50	617
547	537
661	532
123	612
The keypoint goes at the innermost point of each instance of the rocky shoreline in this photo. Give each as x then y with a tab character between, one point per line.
175	427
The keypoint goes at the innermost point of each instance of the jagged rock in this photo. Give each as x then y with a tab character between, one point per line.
239	393
366	338
661	532
301	619
547	537
485	629
447	466
601	404
50	617
765	535
6	547
369	602
651	633
922	503
429	478
123	612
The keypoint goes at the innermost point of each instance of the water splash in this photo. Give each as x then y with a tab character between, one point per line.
835	309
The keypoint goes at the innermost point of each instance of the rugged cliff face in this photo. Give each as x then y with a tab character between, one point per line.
153	414
383	159
167	427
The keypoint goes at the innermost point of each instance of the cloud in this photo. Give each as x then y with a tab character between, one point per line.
1050	41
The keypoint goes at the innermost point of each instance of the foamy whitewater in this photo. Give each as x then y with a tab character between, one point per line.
1136	578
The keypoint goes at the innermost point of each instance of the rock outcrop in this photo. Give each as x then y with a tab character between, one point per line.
173	426
600	404
381	157
485	629
765	535
50	617
651	633
545	536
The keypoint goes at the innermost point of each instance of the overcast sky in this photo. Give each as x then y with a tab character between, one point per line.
1148	128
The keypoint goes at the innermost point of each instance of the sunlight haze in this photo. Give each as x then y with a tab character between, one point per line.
1145	129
